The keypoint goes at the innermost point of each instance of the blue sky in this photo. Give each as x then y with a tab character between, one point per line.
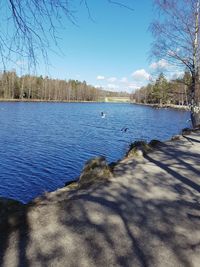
112	51
107	51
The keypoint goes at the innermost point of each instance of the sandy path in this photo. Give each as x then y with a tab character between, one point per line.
147	215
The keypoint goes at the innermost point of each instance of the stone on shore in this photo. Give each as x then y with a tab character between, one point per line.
154	143
95	169
138	149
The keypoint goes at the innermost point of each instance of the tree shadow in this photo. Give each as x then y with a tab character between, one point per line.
142	224
148	214
175	174
181	165
14	229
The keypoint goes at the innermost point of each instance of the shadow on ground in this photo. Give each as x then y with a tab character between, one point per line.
147	215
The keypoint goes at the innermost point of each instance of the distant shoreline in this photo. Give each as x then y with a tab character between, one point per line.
48	101
157	106
58	101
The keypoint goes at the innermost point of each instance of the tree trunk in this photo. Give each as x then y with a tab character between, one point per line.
195	108
195	116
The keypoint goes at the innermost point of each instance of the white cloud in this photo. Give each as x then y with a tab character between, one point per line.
112	86
124	80
97	86
161	64
177	75
100	77
171	71
112	79
140	78
134	86
130	86
140	75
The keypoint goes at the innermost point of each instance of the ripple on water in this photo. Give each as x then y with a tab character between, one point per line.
42	145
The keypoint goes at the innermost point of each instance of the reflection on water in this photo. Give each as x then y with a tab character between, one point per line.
42	145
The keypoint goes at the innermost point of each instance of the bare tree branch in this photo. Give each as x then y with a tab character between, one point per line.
29	26
176	34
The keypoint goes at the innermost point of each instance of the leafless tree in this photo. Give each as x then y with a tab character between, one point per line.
176	35
28	26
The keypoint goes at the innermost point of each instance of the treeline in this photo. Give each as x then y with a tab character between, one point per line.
30	87
164	92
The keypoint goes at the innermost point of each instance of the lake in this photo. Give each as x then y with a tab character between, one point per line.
43	145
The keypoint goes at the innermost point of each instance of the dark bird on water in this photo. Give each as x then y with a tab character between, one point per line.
124	129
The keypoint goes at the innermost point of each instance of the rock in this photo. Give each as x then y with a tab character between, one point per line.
186	131
95	169
71	182
112	165
73	185
10	212
176	138
138	149
139	153
154	143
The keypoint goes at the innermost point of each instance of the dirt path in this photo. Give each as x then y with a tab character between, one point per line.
147	215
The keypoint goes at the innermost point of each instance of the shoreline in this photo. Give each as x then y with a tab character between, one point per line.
45	101
136	149
150	201
59	101
157	106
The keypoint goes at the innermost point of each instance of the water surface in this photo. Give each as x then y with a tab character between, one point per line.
43	145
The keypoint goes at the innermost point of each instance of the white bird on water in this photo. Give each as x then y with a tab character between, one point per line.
103	115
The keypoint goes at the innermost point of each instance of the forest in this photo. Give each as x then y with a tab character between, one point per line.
165	92
28	87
